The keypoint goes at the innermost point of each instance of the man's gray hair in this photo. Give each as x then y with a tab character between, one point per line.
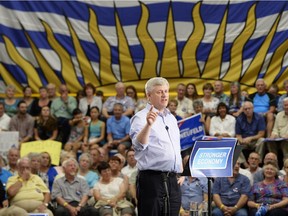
65	163
285	99
155	81
25	158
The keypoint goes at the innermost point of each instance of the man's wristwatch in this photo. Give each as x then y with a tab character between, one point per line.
46	204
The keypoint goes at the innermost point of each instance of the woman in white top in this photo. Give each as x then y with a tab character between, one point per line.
223	124
89	100
110	192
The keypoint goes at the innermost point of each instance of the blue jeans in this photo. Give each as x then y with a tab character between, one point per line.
241	212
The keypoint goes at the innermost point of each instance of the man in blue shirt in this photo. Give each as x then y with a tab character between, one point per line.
250	130
118	127
230	194
264	104
156	140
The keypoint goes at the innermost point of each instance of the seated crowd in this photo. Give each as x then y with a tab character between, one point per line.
92	179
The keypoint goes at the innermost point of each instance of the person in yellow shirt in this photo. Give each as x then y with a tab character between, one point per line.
28	191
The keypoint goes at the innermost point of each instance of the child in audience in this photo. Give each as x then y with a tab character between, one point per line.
75	139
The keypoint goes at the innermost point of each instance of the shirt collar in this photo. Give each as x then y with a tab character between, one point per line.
164	113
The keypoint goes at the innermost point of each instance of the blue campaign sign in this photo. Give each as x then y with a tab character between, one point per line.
191	129
212	158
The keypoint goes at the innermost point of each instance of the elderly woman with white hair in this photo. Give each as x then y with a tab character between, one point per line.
85	162
270	196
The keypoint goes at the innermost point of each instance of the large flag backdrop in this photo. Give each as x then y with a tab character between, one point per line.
76	42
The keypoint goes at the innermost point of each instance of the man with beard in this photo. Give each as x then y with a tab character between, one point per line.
23	123
71	192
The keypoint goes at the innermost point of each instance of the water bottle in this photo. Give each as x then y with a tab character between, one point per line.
204	208
193	209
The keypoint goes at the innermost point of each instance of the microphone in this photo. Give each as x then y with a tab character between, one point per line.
166	127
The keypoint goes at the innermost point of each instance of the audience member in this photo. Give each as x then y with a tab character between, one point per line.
285	168
28	191
4	174
4	205
27	97
280	101
94	134
264	104
46	171
23	123
110	193
71	192
219	92
79	95
96	159
230	194
13	156
122	159
104	156
250	130
64	155
223	124
132	93
209	102
172	106
127	102
269	157
253	163
62	108
280	130
76	136
90	100
34	159
118	127
40	102
100	94
10	102
4	118
51	88
131	163
271	192
45	127
193	190
184	107
274	90
141	103
191	91
236	100
205	119
85	162
116	166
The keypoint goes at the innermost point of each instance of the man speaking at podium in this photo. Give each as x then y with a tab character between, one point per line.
156	139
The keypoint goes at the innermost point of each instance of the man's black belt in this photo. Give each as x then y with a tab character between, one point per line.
157	172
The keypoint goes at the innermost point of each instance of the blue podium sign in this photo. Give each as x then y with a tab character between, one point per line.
212	158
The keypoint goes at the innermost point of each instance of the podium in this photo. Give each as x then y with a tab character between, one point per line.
212	158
